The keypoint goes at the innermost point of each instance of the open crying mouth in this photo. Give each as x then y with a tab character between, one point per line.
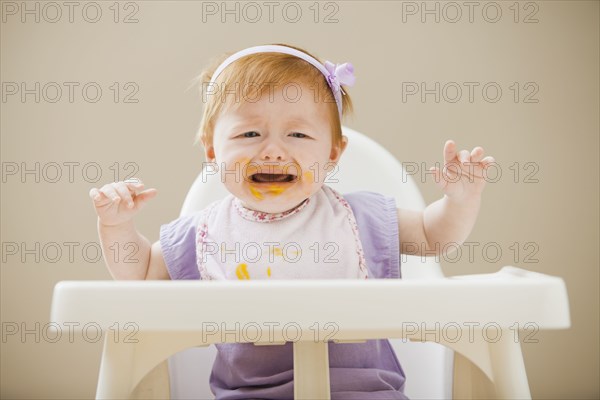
270	178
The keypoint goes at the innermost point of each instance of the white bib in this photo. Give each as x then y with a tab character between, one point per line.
318	239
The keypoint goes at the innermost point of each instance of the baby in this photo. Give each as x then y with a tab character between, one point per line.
272	127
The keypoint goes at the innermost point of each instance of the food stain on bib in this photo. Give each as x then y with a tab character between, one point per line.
242	272
278	252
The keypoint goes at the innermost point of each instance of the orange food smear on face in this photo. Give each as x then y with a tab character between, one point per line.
273	189
248	169
308	178
256	193
243	160
276	189
242	272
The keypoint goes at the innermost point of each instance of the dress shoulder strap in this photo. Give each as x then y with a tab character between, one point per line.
377	219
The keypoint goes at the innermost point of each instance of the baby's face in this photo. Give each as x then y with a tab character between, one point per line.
277	151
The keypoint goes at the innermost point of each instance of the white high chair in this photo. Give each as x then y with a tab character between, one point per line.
169	321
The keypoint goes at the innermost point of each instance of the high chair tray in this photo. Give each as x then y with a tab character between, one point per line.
365	309
164	317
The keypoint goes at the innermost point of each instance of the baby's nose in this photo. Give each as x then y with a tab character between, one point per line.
274	151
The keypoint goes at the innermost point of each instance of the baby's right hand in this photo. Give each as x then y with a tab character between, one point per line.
118	202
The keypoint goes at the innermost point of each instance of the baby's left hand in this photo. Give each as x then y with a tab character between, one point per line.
463	173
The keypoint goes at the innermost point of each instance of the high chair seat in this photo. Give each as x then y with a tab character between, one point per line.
442	327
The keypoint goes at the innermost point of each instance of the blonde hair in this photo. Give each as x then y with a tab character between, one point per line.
251	76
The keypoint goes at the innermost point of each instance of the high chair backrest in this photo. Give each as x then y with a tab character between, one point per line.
365	165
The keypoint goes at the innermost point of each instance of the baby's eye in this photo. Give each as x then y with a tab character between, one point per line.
247	134
302	135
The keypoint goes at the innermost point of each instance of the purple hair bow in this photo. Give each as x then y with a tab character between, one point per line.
340	74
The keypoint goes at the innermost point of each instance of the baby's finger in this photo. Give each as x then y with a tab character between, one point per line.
95	194
123	190
109	191
133	180
449	151
464	156
98	197
477	154
134	186
487	160
143	197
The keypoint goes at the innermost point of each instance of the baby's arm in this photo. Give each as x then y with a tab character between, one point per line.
127	253
450	219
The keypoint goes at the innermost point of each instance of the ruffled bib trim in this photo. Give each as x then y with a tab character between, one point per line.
259	216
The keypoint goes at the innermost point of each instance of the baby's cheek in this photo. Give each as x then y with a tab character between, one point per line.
246	167
308	179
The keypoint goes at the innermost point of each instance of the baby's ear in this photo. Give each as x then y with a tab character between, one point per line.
337	151
209	152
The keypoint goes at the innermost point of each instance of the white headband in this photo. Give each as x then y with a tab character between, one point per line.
336	74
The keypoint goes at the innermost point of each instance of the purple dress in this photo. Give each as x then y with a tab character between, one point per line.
357	370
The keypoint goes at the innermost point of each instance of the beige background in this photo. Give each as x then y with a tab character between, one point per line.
170	44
